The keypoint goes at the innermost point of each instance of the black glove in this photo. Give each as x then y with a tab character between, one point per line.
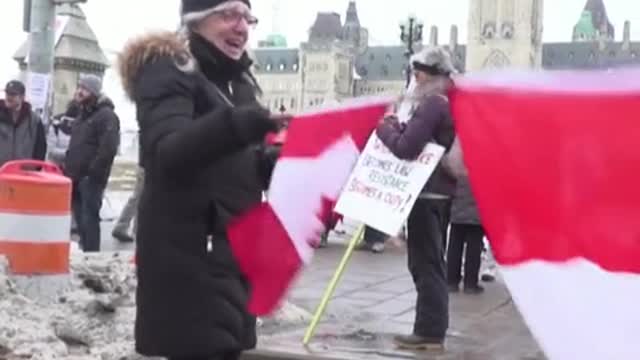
267	161
252	123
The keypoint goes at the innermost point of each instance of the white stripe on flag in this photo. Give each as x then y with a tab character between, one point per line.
618	81
577	310
306	181
35	228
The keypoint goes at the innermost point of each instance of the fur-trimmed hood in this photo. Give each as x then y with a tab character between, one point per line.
149	47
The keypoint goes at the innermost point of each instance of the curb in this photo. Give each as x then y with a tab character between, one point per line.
279	355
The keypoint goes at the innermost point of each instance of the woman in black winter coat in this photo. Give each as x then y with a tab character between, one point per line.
201	131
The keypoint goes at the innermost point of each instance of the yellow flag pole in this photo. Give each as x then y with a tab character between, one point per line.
328	293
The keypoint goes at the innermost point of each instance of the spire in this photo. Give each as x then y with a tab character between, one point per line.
599	19
276	14
276	38
352	31
352	14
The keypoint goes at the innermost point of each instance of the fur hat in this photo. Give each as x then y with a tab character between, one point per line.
435	60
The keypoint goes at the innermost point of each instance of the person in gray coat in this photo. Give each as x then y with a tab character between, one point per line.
22	134
466	229
429	120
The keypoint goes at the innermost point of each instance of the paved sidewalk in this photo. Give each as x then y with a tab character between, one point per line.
376	299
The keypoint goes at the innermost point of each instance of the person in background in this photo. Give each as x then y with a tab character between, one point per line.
202	135
466	229
373	240
129	213
22	133
94	142
57	140
430	120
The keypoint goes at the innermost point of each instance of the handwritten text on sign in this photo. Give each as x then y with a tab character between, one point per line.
382	188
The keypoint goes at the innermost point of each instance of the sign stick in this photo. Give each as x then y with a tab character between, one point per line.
328	293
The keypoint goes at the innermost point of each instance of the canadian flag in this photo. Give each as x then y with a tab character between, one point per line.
554	164
273	241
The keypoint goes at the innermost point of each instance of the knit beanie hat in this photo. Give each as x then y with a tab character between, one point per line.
92	83
193	6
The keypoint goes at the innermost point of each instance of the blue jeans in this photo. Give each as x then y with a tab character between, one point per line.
86	204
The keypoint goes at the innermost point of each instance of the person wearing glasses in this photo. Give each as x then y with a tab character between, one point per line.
206	161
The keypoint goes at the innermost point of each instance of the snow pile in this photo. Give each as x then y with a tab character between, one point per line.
92	320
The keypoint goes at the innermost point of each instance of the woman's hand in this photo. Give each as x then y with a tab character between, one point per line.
281	120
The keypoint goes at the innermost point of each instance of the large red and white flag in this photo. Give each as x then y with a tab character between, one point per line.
554	163
273	241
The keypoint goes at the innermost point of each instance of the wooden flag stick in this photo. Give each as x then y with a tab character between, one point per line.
328	293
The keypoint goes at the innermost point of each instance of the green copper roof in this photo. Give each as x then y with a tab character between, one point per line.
585	26
277	40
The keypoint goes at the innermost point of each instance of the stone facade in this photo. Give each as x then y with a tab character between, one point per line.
502	33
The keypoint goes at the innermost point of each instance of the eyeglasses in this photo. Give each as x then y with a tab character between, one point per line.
235	17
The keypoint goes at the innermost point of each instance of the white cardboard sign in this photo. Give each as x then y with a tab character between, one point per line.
38	90
382	189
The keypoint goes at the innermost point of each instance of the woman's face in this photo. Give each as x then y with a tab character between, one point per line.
228	28
421	77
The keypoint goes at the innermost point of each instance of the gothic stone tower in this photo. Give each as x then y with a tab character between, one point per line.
504	33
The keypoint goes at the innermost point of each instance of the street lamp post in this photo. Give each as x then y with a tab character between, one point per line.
410	34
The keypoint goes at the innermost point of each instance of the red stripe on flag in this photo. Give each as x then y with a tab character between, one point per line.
555	174
266	255
327	127
264	249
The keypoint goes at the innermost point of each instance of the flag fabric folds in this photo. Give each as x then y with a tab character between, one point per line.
273	241
554	164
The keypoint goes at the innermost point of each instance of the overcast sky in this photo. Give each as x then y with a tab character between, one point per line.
116	20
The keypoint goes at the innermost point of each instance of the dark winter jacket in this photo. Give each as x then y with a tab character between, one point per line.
95	137
24	139
431	121
464	209
200	132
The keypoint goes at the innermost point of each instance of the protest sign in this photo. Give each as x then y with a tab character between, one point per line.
382	189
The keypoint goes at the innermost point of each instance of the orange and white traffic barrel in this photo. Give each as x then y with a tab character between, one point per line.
35	218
